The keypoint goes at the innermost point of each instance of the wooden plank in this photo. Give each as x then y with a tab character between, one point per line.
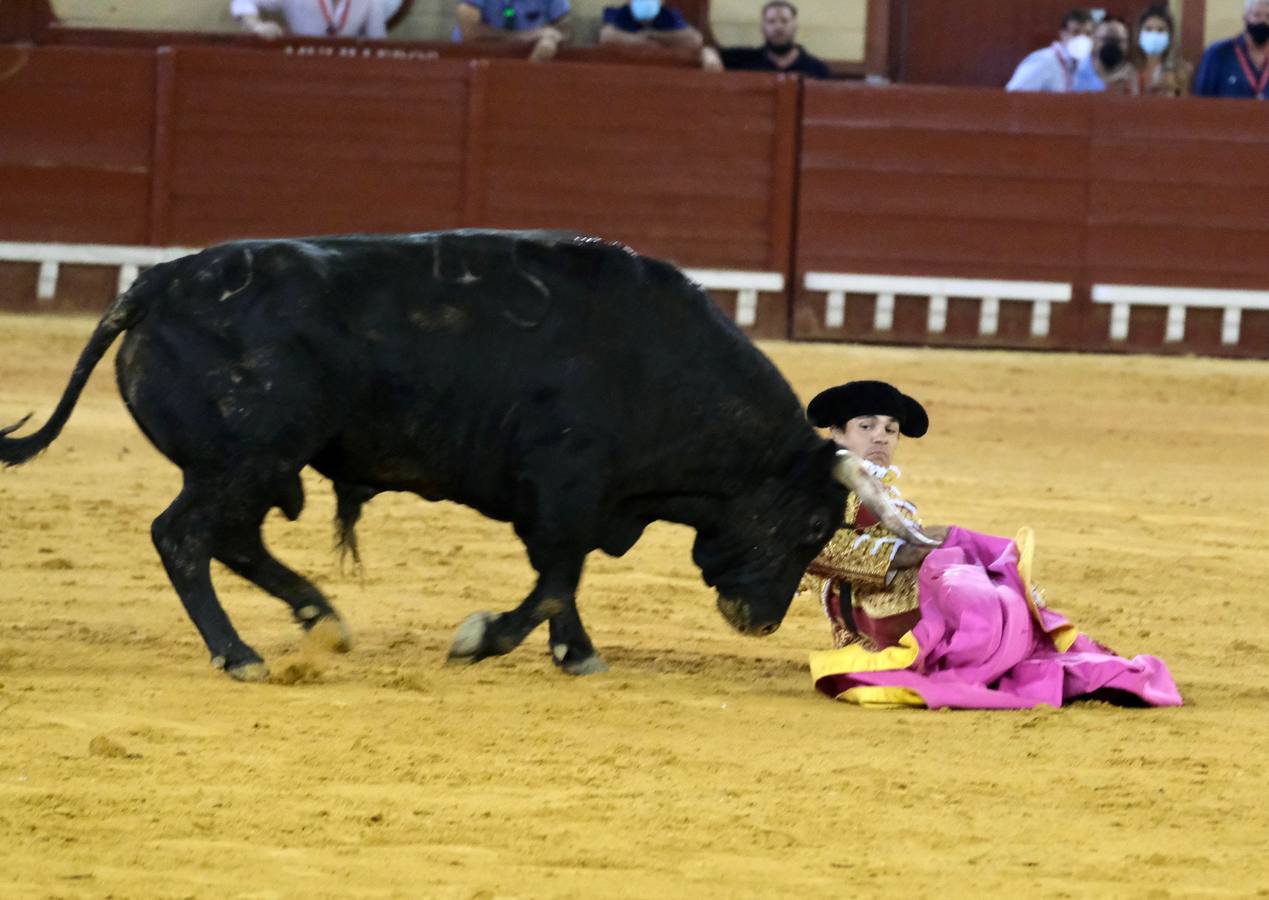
315	146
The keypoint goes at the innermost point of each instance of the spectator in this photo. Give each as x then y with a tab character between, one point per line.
1237	67
1052	68
1161	71
647	23
779	52
1109	67
312	18
542	23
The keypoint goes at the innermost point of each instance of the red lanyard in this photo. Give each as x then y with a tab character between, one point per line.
1067	71
1256	84
333	28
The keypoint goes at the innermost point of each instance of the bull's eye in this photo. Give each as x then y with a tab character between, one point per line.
819	529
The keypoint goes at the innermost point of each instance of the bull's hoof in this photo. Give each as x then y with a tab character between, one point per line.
328	633
588	665
469	640
248	672
577	664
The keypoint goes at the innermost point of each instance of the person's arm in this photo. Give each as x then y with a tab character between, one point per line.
377	20
1029	76
686	37
1208	77
247	12
870	555
611	34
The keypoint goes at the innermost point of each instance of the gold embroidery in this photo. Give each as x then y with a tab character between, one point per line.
900	596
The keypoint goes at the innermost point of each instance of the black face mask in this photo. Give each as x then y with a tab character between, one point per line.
780	49
1259	33
1111	54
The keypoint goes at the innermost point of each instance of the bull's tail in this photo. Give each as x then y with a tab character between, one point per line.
123	313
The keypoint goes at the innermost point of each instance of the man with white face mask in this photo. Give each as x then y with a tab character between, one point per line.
647	22
1239	67
1052	69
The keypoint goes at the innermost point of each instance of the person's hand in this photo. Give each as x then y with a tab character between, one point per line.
547	45
710	60
912	555
936	532
264	28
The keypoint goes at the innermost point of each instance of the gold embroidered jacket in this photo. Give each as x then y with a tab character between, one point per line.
855	564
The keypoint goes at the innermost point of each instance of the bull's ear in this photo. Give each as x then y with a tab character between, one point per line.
583	259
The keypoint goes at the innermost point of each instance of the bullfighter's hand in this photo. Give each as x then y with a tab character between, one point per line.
912	555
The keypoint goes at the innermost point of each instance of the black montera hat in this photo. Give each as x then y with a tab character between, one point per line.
838	405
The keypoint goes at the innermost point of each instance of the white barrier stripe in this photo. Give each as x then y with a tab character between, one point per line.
89	254
989	315
1155	295
736	279
46	286
1119	314
128	273
936	318
1231	324
746	307
1053	291
883	314
1040	314
835	309
1175	330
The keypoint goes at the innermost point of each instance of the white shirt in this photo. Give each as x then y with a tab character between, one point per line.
313	18
1051	70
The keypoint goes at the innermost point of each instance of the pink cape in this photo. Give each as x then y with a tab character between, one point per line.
983	643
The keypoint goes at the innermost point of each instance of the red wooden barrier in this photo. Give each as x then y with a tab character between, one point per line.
936	182
263	144
76	127
684	165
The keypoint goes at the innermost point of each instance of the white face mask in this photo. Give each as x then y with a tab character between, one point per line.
1080	47
1153	42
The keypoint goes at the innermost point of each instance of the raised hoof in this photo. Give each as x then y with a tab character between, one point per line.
469	640
329	633
587	665
248	672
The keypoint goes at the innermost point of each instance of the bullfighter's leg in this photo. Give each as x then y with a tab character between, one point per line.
183	534
242	549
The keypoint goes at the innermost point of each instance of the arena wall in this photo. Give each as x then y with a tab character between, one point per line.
823	210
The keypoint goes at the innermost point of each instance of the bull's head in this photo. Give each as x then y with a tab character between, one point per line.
755	554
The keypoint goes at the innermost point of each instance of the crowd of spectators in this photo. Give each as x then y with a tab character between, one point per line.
543	25
1094	51
1106	54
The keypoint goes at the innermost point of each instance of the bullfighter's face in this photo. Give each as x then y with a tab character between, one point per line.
874	438
757	551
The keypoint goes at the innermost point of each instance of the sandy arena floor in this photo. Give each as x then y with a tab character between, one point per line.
702	765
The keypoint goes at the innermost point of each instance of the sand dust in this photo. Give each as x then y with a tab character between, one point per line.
702	765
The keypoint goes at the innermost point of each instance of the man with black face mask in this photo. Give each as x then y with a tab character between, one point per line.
779	52
1109	68
1237	67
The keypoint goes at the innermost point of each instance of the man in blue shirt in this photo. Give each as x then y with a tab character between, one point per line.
647	22
542	23
1237	67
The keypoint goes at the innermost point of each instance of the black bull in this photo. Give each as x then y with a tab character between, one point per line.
563	384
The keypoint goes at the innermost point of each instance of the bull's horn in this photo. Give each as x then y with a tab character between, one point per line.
849	470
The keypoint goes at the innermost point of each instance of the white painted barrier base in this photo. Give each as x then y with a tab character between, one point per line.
1122	297
130	260
989	292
